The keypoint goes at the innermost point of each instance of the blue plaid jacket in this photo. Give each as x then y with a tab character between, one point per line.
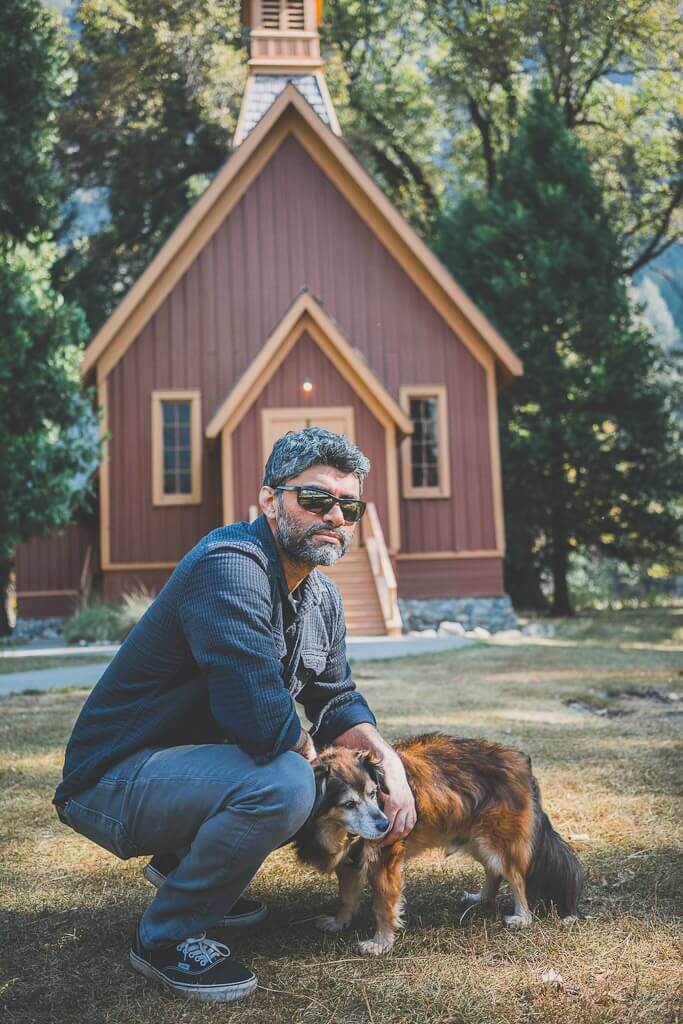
221	654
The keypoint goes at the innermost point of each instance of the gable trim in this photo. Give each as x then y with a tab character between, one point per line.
307	314
291	114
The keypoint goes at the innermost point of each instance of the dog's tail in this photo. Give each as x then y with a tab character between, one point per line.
556	875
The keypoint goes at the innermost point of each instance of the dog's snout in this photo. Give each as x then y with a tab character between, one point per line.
382	822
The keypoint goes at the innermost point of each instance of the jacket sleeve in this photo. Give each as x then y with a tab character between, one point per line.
225	614
331	701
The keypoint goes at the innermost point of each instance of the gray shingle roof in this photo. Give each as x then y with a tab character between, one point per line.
262	91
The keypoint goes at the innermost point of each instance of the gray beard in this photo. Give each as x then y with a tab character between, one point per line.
299	545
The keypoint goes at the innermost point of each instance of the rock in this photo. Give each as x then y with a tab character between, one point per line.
508	634
480	633
448	628
553	978
539	630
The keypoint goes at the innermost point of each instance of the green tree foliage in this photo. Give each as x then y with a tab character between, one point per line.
591	452
376	68
48	442
34	74
151	119
612	68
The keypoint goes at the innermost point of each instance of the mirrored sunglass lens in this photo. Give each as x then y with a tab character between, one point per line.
314	501
352	510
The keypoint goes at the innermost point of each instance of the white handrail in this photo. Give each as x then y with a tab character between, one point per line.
382	571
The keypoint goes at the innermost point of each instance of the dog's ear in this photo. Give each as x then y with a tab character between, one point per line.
371	764
334	788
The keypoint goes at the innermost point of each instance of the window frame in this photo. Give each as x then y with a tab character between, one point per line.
158	495
443	490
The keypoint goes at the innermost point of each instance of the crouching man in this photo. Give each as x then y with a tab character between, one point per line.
190	749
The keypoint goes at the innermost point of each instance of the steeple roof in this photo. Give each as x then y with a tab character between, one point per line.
284	48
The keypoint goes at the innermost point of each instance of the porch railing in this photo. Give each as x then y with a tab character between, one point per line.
382	570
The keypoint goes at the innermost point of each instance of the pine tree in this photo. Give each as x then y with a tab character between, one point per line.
48	428
591	450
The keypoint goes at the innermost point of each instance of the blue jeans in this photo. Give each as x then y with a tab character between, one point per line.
211	804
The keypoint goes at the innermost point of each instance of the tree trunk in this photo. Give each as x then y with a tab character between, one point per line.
562	604
524	586
560	539
5	628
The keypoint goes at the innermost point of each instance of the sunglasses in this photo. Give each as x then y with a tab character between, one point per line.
320	501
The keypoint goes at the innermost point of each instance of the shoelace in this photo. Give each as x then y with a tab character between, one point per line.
204	951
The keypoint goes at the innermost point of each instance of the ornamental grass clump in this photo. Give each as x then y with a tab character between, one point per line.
134	604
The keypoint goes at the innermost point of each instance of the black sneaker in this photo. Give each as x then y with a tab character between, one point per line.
198	968
244	912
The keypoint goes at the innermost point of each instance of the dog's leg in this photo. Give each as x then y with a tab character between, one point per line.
486	894
351	881
386	878
522	915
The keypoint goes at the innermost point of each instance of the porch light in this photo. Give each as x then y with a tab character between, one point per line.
307	387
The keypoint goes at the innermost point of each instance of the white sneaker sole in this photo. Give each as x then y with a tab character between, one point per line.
157	880
204	993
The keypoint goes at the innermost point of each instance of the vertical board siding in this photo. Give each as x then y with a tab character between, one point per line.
306	361
54	562
116	584
450	577
292	230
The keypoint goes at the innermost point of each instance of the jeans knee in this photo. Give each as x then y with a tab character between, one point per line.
294	790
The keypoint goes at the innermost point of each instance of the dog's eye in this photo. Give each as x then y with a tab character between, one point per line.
350	804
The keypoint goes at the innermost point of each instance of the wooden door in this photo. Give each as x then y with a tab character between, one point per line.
276	422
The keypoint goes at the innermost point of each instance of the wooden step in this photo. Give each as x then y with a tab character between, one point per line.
362	609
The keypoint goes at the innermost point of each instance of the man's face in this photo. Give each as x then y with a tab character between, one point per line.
306	536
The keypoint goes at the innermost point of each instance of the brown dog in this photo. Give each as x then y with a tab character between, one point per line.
471	796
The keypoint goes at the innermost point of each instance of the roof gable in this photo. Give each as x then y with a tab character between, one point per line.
291	114
306	314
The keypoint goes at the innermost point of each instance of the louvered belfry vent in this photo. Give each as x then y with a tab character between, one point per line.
270	13
295	14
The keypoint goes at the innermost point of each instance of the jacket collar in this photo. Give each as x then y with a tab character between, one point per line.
310	589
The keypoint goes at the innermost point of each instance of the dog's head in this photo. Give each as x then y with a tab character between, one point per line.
351	782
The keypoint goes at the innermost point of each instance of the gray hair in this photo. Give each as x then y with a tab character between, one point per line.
299	449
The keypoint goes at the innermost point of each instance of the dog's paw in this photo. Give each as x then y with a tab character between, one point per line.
470	899
518	920
375	946
327	923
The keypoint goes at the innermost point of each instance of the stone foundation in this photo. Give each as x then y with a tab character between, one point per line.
26	630
492	613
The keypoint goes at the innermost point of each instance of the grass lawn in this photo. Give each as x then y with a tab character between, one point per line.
69	908
33	663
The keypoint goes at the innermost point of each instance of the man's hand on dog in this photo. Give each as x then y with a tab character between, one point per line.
398	803
306	747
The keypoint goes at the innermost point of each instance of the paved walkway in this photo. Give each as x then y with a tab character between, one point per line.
360	649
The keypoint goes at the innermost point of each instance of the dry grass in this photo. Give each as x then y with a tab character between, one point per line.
69	908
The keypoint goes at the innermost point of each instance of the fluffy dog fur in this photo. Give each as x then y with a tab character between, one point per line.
471	796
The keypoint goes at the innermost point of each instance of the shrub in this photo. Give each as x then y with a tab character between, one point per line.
97	621
93	622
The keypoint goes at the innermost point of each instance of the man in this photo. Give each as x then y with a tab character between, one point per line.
190	748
